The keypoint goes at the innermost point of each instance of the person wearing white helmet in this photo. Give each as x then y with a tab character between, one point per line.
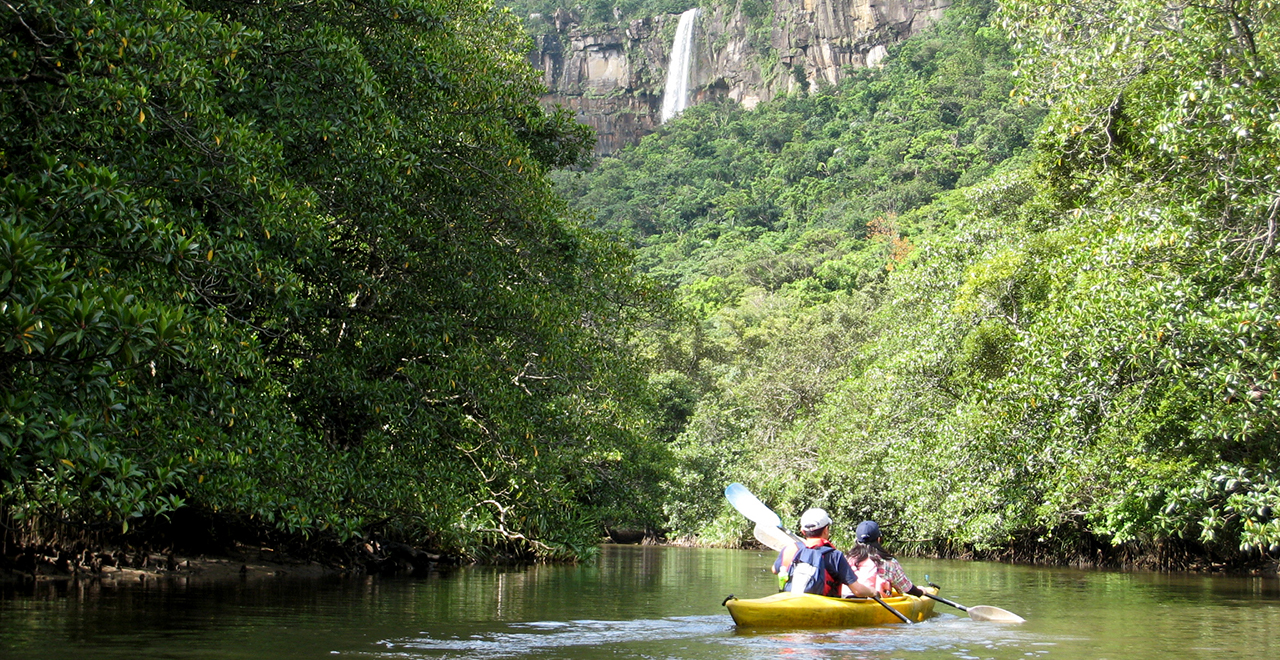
815	566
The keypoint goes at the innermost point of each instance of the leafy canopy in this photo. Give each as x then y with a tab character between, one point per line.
298	264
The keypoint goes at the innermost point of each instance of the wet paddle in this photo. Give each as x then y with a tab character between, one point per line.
750	506
772	537
769	530
896	613
978	612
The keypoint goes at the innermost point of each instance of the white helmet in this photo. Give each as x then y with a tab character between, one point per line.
813	520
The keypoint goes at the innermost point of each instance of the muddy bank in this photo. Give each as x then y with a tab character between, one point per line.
44	564
49	562
198	546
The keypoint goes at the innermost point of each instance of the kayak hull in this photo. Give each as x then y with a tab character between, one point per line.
788	610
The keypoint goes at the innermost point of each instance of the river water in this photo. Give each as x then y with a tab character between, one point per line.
645	603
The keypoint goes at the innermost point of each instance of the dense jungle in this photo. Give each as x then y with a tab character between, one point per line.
318	273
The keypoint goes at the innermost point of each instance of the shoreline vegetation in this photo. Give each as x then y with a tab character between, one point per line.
323	285
1006	293
264	562
237	560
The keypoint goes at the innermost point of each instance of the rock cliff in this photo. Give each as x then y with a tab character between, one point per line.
612	75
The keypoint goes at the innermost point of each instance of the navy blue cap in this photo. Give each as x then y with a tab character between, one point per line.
868	531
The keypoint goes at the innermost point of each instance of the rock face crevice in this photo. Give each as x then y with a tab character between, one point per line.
611	76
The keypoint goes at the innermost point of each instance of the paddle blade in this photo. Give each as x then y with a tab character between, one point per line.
772	537
750	506
989	613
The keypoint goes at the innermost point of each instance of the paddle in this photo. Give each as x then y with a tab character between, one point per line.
772	537
896	613
769	530
978	612
750	506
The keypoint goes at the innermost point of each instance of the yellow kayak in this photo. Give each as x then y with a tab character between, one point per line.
788	610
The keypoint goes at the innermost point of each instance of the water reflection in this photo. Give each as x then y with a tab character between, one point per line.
635	602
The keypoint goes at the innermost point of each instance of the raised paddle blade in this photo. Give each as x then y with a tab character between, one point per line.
772	537
751	506
989	613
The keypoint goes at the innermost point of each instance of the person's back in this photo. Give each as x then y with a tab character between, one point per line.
814	566
875	568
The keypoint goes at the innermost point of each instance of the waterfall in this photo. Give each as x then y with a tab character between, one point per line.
675	98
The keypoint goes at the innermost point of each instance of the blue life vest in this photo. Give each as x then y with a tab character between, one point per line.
806	574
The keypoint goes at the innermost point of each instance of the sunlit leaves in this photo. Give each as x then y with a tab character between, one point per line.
1088	351
298	265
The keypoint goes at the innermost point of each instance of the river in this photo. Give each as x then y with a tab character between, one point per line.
646	603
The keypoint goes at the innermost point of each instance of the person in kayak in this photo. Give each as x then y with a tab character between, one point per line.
816	566
875	567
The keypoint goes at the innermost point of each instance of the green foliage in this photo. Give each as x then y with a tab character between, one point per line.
1154	357
300	264
780	227
728	193
901	317
1092	349
595	12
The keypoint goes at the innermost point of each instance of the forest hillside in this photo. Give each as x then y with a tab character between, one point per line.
326	277
1010	294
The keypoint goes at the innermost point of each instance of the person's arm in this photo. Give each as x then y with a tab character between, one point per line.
893	571
860	590
846	575
782	565
783	560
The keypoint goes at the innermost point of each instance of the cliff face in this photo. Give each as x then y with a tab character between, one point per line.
612	76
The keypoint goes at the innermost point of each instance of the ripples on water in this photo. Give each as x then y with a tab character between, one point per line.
532	638
716	637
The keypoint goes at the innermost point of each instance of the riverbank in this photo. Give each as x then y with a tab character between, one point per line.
210	549
199	544
208	552
119	566
1078	549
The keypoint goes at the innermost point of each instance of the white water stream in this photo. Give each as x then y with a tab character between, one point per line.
675	97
